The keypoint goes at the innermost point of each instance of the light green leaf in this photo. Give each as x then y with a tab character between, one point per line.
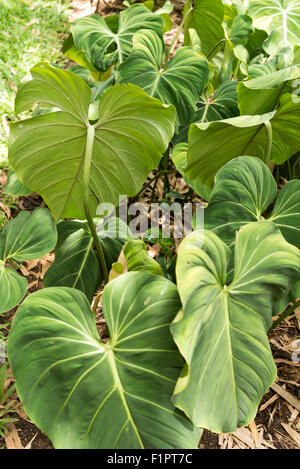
108	41
241	53
12	288
262	94
206	17
244	189
14	186
180	82
48	152
281	20
112	395
164	12
28	236
137	257
211	144
256	70
222	329
179	157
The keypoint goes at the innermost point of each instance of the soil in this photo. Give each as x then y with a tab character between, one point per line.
275	413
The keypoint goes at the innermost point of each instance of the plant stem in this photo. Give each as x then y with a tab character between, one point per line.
283	316
179	29
97	299
236	71
214	48
86	193
269	132
166	178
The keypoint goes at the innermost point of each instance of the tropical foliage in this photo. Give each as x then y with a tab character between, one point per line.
187	346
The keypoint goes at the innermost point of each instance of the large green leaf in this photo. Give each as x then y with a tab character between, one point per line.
244	189
51	152
88	394
180	82
213	144
222	328
179	157
281	20
76	262
28	236
107	41
262	94
206	18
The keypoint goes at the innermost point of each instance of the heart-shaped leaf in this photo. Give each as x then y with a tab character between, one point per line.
180	82
106	41
213	144
103	395
51	152
244	189
222	329
28	236
76	262
262	94
280	19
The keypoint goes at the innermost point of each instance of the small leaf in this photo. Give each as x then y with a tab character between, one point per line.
12	288
14	186
138	258
28	236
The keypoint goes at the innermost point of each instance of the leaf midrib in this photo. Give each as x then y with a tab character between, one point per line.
119	387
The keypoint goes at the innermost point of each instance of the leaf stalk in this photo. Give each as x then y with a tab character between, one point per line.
86	194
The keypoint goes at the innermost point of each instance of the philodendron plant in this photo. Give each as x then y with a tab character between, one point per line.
189	351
